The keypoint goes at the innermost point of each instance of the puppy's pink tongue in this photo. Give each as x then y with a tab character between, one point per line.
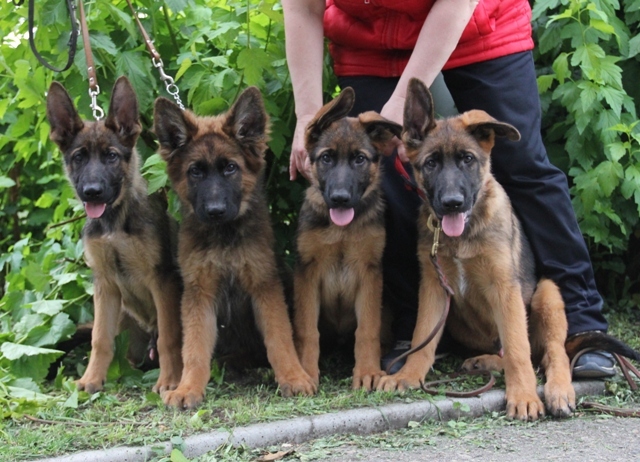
341	217
453	224
94	210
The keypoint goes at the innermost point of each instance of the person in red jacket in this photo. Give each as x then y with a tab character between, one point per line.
483	49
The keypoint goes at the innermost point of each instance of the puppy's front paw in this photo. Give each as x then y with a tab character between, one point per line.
183	397
367	379
298	384
560	399
90	384
524	406
399	381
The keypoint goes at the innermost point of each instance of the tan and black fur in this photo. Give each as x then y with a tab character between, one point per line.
226	255
338	274
130	243
489	266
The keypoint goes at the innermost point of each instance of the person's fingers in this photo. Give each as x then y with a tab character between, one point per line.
402	153
293	169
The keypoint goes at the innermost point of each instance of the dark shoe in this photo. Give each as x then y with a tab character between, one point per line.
400	347
594	365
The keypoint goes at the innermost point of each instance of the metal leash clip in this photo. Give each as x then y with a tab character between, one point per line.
169	83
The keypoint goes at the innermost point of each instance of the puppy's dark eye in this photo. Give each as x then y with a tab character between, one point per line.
360	159
195	172
326	158
230	169
112	156
78	156
430	164
468	158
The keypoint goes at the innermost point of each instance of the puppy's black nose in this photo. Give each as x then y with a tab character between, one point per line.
215	210
453	202
340	197
92	190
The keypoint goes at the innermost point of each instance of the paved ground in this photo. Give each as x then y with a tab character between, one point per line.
580	439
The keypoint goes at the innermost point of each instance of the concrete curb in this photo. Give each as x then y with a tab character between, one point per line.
356	421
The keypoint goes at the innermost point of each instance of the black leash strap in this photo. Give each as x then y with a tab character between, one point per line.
73	38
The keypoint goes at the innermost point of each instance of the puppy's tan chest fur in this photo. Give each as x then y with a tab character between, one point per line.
342	257
127	262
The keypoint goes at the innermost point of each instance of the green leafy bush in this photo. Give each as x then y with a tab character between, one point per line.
589	69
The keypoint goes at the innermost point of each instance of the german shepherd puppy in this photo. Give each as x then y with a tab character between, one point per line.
488	263
130	242
486	259
341	235
225	250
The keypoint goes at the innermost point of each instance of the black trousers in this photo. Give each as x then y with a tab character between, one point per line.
505	88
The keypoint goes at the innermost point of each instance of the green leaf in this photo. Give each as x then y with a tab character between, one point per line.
186	64
61	328
48	307
616	151
72	400
587	56
138	69
103	42
25	393
561	67
614	98
609	72
177	5
602	26
6	182
177	456
544	83
609	175
14	351
46	200
29	361
253	61
634	46
631	183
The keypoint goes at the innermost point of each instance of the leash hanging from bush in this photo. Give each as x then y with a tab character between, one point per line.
73	38
169	83
94	89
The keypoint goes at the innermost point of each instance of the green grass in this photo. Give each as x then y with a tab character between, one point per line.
128	413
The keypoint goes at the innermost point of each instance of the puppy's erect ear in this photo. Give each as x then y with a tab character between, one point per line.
247	121
171	126
63	117
419	118
335	109
485	128
380	131
123	116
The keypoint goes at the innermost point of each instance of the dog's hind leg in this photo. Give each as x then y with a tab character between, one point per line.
548	335
107	306
483	363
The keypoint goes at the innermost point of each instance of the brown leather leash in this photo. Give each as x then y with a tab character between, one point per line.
156	59
442	279
627	369
94	88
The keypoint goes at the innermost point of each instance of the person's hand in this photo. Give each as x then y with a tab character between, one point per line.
299	160
394	110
